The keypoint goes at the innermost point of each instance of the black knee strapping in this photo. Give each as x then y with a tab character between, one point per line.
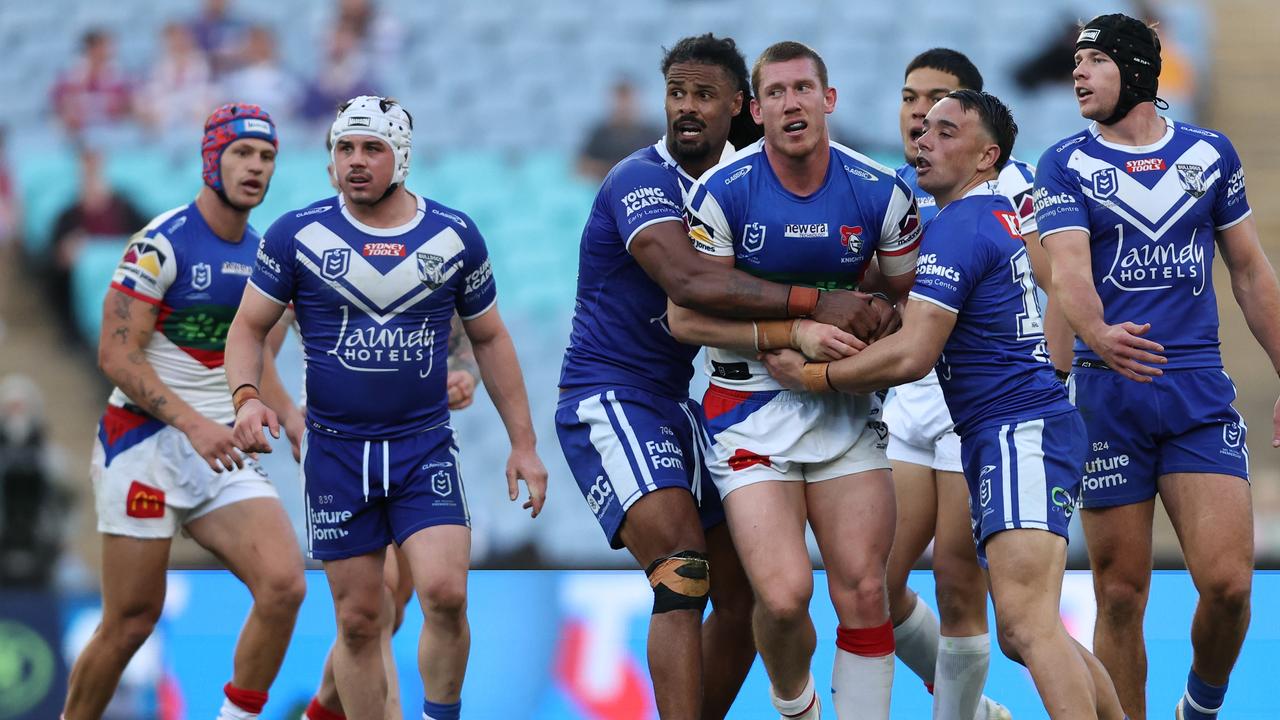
680	582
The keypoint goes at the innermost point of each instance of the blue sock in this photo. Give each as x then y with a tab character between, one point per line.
439	711
1202	700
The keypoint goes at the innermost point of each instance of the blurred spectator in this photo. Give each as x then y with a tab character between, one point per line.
220	35
98	214
93	92
179	93
344	74
378	34
617	136
262	80
10	206
31	498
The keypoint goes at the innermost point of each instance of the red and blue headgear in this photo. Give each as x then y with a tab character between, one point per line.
227	124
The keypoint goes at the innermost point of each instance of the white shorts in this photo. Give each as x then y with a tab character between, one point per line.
920	427
783	435
148	481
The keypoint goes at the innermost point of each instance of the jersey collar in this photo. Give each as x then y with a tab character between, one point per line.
661	148
1135	149
385	232
990	187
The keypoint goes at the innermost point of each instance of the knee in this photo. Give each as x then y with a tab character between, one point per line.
785	604
1228	594
281	592
359	624
1120	599
444	597
130	628
733	604
1015	635
863	594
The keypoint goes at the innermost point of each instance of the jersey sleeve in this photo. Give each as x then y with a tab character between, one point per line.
478	291
949	265
641	194
1059	204
899	232
708	223
147	269
1231	205
1017	182
273	270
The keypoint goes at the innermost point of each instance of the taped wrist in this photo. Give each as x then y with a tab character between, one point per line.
801	301
680	582
774	334
816	378
243	394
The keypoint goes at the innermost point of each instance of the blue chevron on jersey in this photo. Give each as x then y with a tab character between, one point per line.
1151	213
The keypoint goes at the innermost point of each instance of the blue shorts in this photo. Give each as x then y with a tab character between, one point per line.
1024	475
362	494
1182	422
623	443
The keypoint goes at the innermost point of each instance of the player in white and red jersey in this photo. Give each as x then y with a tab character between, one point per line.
164	459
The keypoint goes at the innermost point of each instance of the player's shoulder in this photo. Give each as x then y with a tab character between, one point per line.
735	168
1059	153
170	224
438	213
1195	132
1016	170
868	175
294	220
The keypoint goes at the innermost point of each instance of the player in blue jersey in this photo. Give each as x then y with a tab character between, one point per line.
1130	211
375	274
797	208
630	433
164	459
974	313
951	656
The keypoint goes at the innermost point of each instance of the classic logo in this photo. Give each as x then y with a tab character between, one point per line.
859	172
753	237
430	270
383	249
442	483
1192	179
737	174
851	238
335	262
201	276
144	501
1144	165
1104	183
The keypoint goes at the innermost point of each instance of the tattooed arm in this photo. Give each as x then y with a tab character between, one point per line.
127	326
464	373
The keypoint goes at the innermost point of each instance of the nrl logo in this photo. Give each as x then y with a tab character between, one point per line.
335	263
1104	183
1192	179
430	270
753	240
201	276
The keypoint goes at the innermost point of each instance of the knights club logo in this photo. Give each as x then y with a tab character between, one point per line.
201	276
1104	183
431	270
753	237
851	238
335	263
1192	179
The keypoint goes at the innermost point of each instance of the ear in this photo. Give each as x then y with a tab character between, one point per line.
756	114
829	100
990	155
737	104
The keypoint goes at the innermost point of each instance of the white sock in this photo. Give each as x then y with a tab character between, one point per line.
916	642
791	708
861	685
961	675
231	711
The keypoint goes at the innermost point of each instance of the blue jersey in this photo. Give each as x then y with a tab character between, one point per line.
1016	181
620	335
1151	213
740	209
196	279
994	368
374	306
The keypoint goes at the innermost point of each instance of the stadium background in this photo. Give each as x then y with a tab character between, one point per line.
504	94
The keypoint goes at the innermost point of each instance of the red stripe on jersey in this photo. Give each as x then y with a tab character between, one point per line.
719	401
134	294
208	358
117	421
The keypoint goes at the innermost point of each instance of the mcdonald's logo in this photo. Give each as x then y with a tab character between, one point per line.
144	501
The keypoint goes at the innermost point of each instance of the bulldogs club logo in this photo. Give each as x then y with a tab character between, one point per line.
335	263
1192	179
431	270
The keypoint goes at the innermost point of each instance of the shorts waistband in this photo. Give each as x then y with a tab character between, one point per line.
1090	364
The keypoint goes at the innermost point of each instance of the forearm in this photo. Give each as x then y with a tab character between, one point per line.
462	356
885	364
130	371
694	328
1258	294
1079	304
243	356
500	372
272	389
721	290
